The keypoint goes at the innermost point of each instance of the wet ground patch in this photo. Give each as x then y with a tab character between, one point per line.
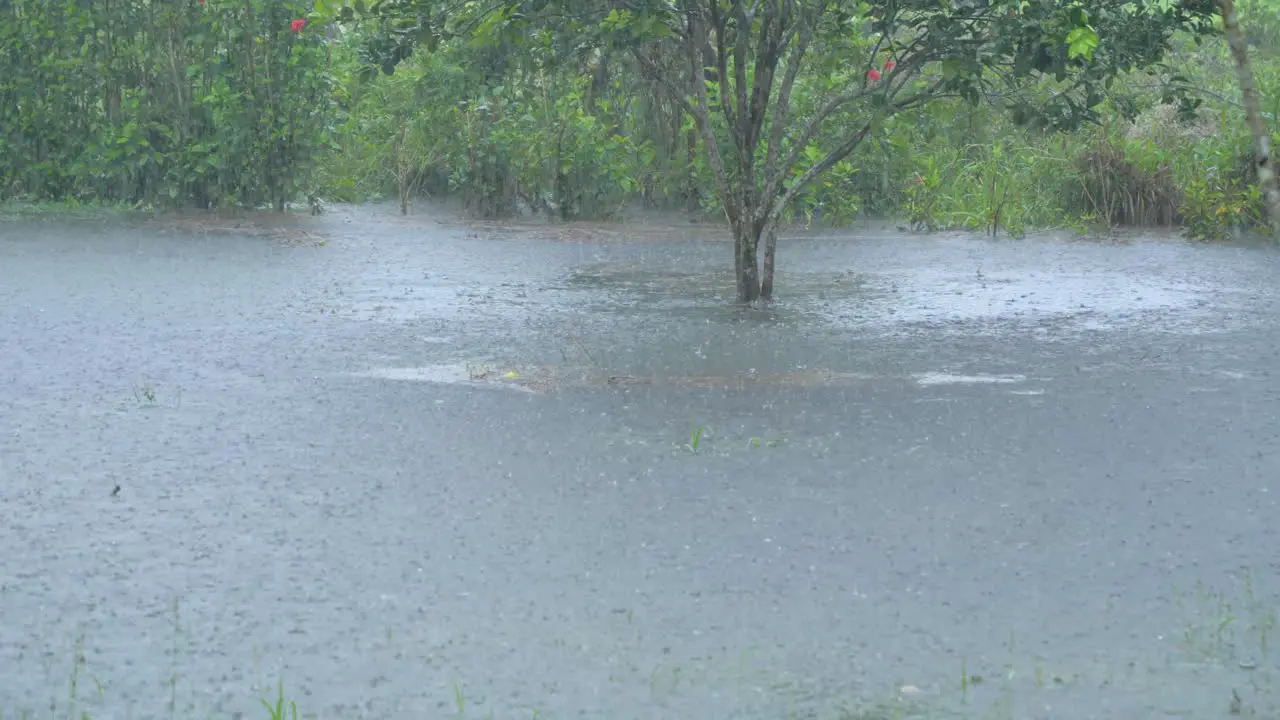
550	378
290	229
287	228
16	211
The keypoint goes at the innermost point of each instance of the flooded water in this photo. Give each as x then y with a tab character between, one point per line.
414	468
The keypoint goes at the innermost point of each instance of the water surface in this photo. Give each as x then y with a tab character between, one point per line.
409	464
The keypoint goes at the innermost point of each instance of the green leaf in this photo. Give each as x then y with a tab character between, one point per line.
1081	42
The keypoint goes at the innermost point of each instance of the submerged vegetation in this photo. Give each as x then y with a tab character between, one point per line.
1037	115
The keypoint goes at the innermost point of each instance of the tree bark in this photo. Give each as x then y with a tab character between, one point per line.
746	241
1253	114
770	253
402	166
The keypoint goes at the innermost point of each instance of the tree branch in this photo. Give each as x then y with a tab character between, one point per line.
719	24
774	181
782	107
844	149
774	26
741	56
702	116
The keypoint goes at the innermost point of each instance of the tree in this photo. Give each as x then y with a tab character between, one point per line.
1253	115
783	91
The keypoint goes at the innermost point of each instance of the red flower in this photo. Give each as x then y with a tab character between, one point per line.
873	75
297	25
200	3
890	65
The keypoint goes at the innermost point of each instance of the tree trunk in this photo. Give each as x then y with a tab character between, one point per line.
1253	113
746	239
770	252
403	167
692	198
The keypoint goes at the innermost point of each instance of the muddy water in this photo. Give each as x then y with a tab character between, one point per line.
417	469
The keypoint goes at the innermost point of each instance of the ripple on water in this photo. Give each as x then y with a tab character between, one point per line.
1094	300
865	512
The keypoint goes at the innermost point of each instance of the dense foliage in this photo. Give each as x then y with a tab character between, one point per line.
783	92
1151	156
221	102
200	102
